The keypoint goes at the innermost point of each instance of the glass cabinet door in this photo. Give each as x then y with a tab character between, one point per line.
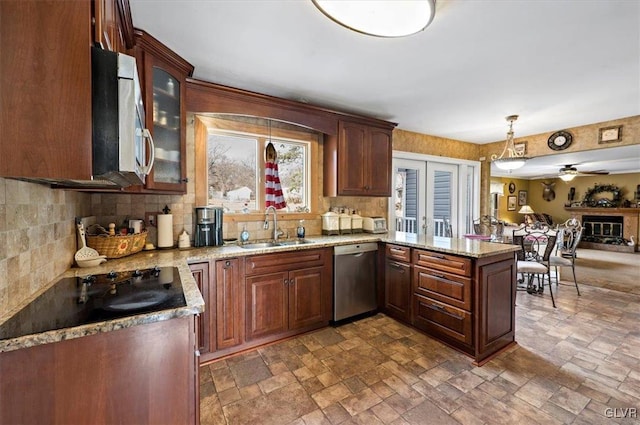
166	128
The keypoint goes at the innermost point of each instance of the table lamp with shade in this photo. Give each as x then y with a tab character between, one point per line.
526	210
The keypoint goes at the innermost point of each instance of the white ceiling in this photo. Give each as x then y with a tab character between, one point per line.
558	64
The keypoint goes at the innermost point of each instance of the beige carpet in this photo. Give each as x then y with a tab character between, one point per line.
605	269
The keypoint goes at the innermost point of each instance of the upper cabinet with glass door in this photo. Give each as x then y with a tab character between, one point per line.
163	75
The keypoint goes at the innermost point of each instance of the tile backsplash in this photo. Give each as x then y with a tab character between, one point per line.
37	238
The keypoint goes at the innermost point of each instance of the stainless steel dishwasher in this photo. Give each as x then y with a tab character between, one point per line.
354	279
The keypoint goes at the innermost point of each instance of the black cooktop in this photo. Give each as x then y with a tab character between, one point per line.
78	301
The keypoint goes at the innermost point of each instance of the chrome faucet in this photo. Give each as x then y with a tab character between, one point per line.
276	232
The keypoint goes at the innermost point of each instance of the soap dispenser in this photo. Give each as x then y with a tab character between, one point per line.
244	235
300	229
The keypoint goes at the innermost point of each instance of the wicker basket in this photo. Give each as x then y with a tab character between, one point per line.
119	245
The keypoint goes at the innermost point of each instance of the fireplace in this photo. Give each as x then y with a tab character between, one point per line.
603	229
609	229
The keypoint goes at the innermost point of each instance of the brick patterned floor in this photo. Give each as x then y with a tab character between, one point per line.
577	364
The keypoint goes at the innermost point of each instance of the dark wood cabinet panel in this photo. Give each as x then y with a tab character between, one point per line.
288	292
441	319
267	304
398	253
358	161
467	303
306	299
496	300
445	287
445	262
139	375
229	284
379	159
397	299
112	25
45	75
200	272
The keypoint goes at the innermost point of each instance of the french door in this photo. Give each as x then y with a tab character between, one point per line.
433	198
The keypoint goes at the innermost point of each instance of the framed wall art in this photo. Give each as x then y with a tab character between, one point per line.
520	148
522	197
511	203
610	134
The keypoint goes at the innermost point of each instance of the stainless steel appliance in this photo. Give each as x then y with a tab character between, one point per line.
208	226
120	140
354	280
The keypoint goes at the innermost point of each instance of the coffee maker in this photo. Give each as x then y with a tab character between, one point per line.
208	226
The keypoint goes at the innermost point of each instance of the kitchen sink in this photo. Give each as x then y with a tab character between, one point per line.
258	245
294	242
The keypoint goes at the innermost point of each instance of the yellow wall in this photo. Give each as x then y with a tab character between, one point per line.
626	182
503	213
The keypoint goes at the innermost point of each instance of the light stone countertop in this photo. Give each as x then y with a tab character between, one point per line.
195	303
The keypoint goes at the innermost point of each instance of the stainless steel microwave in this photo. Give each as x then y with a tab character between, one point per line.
123	149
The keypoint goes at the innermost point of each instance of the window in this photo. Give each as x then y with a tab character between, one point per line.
235	163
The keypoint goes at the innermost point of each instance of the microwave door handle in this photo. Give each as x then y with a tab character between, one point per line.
147	136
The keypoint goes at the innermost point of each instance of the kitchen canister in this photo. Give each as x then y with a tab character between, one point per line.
345	223
356	223
165	229
330	223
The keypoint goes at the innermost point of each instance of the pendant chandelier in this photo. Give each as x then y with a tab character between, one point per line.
509	159
382	18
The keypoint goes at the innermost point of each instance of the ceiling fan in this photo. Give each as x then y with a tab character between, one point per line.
569	172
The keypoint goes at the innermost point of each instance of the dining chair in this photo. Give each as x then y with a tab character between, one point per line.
538	242
569	235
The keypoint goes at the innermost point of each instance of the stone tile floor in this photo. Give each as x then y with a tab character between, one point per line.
577	364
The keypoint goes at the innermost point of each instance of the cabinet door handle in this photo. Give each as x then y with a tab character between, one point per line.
366	188
443	310
286	282
397	267
441	276
185	180
436	256
398	250
227	264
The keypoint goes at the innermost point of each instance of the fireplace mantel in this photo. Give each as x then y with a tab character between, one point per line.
606	211
630	227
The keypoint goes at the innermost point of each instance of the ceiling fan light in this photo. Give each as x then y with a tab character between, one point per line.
382	18
567	177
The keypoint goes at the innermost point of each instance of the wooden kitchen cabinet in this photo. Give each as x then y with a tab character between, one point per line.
112	25
144	374
467	303
163	77
287	293
200	272
358	161
229	305
45	75
397	294
221	326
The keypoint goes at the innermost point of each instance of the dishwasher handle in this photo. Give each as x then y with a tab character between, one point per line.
355	248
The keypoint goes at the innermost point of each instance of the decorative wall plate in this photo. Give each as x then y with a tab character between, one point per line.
560	140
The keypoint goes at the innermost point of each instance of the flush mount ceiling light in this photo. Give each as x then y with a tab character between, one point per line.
510	158
382	18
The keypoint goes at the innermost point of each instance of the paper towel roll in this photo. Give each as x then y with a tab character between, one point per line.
165	230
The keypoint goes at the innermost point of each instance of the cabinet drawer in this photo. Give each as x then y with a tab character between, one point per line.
444	262
399	253
441	319
442	286
270	263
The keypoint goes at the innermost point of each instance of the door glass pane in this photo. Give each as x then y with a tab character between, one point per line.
406	200
166	127
442	190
